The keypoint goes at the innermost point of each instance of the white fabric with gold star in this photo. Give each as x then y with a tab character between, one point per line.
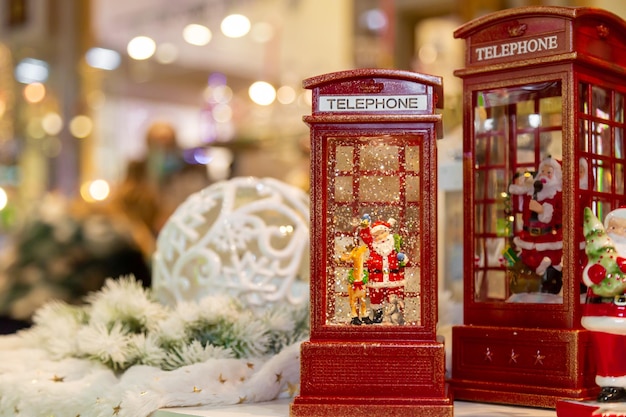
33	384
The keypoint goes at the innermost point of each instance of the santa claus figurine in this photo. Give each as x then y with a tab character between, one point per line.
604	313
385	264
540	240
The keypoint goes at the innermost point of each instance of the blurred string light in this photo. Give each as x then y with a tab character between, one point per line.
286	95
217	93
306	98
217	114
52	124
34	128
96	190
374	20
34	92
534	120
166	53
262	93
217	159
235	26
222	94
217	78
81	126
232	26
222	113
141	47
30	70
196	34
221	162
428	53
101	58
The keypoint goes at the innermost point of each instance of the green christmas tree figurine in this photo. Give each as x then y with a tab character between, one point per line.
605	272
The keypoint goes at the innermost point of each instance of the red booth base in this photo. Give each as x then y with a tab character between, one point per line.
356	379
589	409
522	366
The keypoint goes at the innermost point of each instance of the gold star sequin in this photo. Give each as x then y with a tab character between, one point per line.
539	358
117	409
292	389
221	379
57	378
250	365
279	377
242	400
242	379
196	389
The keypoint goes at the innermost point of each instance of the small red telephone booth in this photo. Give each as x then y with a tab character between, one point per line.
543	139
373	348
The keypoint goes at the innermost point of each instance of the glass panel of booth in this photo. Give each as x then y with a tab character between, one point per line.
374	230
601	146
517	153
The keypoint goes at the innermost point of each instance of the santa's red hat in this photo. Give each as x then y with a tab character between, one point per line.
380	225
554	163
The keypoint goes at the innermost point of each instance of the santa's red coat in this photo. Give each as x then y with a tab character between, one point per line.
382	282
606	318
539	239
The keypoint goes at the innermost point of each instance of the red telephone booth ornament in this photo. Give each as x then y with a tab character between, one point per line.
373	348
543	139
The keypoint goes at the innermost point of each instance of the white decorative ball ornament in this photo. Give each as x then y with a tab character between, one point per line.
245	237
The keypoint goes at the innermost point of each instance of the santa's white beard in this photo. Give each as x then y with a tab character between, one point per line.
619	242
384	247
549	190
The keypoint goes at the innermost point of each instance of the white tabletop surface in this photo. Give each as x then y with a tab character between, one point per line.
280	408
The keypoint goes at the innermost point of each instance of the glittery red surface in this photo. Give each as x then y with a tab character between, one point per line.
531	367
373	370
369	378
530	353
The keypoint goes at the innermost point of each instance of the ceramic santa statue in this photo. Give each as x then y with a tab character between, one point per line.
540	240
385	264
604	313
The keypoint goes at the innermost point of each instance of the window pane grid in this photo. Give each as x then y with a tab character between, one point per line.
380	177
515	129
601	145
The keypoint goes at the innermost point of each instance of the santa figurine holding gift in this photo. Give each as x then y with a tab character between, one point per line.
540	240
385	263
